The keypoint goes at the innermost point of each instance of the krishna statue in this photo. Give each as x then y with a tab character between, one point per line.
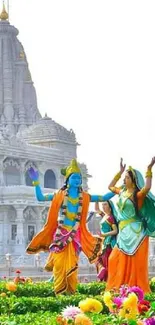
65	233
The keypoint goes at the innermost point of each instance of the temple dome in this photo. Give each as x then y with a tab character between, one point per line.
47	130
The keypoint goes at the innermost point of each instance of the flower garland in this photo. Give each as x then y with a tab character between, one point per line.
71	234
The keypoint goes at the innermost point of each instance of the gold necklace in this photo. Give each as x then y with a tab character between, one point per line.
128	194
73	201
70	215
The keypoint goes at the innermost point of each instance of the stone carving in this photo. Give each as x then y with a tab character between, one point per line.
44	215
11	162
29	214
16	142
11	213
6	132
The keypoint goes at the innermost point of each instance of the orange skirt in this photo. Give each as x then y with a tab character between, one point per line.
131	270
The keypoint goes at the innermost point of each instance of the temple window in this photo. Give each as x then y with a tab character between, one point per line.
11	170
13	232
49	179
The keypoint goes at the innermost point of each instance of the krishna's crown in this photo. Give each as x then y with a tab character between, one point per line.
72	168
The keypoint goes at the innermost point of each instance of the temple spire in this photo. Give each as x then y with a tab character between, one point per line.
4	15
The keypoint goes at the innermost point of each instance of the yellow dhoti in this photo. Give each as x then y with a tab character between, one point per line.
64	265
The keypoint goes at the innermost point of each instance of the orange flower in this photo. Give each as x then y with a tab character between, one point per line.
82	319
61	320
140	322
11	286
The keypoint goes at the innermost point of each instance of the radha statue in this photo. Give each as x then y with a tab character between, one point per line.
128	262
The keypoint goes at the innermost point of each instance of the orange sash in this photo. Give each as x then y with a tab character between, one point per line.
91	245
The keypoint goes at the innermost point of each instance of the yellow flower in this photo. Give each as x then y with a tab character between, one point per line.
3	294
91	305
107	298
82	319
122	313
153	279
130	313
83	305
29	280
131	301
11	286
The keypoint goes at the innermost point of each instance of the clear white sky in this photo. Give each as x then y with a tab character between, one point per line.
93	66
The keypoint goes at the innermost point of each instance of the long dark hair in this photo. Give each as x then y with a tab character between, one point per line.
136	190
112	210
64	186
111	205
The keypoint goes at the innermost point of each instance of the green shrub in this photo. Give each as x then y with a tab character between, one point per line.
45	318
45	289
93	288
23	305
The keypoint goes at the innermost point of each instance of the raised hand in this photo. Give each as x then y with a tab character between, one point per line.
151	163
34	175
122	166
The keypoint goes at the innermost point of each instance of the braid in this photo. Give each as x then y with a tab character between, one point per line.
112	212
135	200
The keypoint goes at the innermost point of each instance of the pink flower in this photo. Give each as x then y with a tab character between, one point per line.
18	271
70	312
150	321
118	301
123	290
139	292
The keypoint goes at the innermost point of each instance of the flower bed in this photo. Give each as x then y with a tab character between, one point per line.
24	302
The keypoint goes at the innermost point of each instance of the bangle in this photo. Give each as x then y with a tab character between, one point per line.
117	176
35	183
148	173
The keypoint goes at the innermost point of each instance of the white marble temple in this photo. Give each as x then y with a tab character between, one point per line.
26	139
